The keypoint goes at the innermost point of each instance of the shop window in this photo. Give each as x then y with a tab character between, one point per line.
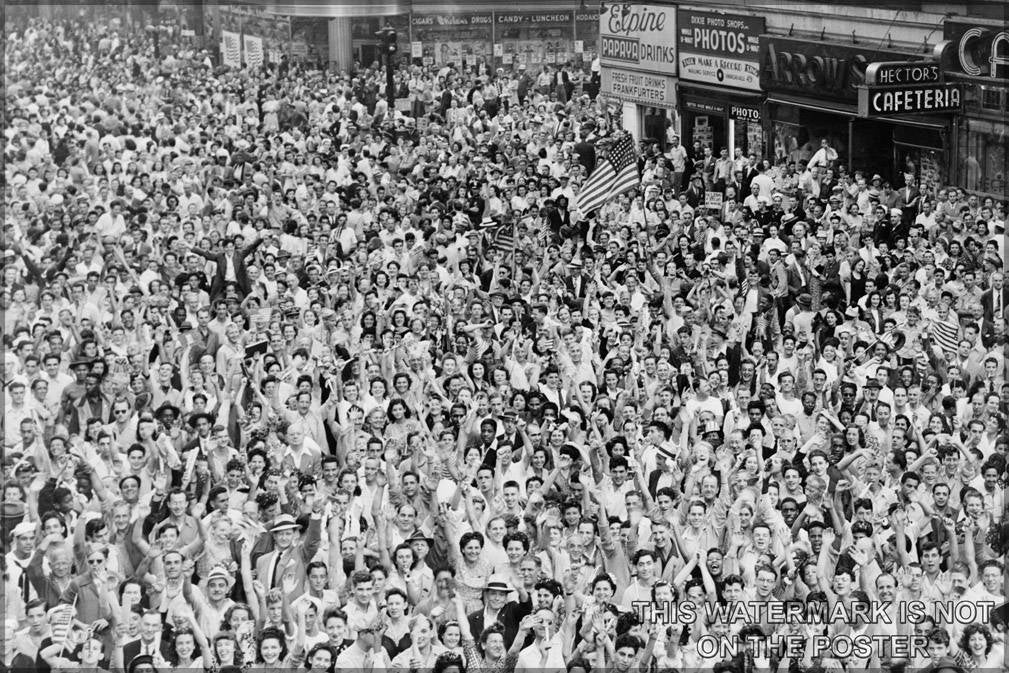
797	132
982	157
749	137
993	100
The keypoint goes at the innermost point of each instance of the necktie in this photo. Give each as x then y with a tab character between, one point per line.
24	584
274	576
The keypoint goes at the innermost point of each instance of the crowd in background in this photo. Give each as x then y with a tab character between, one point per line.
295	376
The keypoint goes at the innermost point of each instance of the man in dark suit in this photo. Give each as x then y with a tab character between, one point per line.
152	639
750	171
798	275
497	608
230	266
995	299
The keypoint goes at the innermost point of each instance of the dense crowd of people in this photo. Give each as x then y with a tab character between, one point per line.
298	378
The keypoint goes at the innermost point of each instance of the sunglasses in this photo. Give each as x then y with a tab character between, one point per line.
95	561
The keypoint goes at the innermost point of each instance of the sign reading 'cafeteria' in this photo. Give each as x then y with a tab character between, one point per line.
639	37
915	98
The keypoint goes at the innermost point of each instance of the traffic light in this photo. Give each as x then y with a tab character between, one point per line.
389	43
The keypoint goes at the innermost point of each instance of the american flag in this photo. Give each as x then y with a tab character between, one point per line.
614	175
947	334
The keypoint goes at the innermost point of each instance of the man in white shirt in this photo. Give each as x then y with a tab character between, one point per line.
546	653
366	652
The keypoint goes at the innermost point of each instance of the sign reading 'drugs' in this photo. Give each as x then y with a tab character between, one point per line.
914	98
718	48
639	37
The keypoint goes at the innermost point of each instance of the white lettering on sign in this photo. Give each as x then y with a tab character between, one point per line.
916	74
916	100
994	60
720	40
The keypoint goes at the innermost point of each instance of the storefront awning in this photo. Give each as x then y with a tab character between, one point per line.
933	123
830	107
720	93
335	8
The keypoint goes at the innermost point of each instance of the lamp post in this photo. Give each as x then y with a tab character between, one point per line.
389	48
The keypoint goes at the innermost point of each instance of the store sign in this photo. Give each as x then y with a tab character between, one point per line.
556	17
719	48
817	69
587	17
744	113
911	99
636	87
891	74
452	20
641	37
977	51
702	106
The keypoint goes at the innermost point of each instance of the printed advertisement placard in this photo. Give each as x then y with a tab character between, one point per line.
638	37
722	49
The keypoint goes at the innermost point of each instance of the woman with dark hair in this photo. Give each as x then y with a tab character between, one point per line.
226	651
976	646
320	659
271	651
471	563
185	639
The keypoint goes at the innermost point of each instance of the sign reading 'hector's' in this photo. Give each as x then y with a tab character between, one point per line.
914	98
817	69
891	74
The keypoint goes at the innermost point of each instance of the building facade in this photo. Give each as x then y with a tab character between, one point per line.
778	79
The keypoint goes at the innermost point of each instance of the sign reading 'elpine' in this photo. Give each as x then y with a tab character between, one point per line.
912	99
640	37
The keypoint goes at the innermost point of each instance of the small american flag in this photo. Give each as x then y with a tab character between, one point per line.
947	334
614	175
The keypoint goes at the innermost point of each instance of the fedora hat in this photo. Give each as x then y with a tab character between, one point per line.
498	582
284	522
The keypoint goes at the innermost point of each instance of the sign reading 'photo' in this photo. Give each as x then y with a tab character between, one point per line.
719	48
639	37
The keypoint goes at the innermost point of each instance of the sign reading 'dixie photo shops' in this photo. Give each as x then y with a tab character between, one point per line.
639	37
910	99
717	48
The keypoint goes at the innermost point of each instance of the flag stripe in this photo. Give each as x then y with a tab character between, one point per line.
597	188
946	334
626	180
614	175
